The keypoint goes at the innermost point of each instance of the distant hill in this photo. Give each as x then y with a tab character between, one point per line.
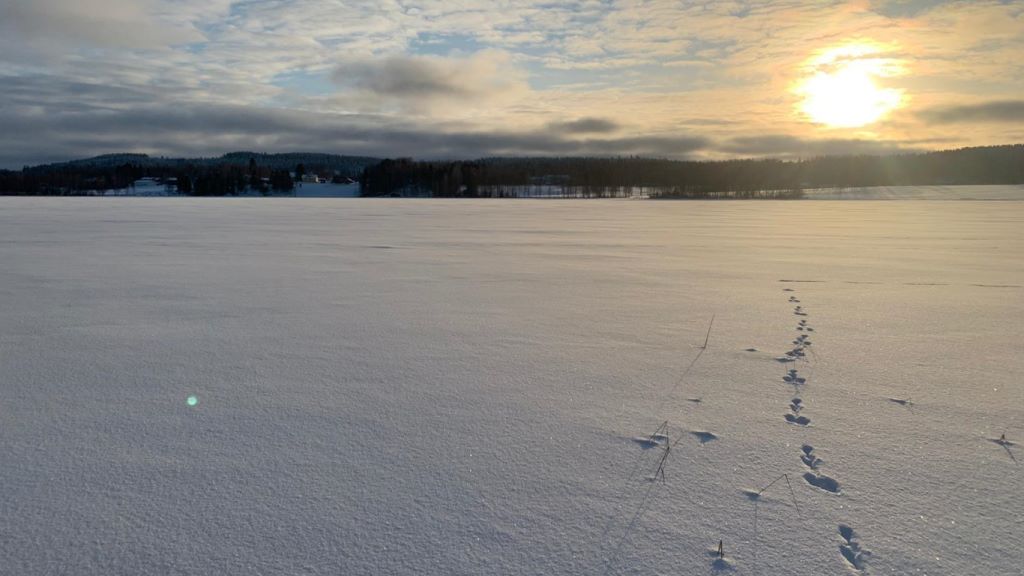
345	165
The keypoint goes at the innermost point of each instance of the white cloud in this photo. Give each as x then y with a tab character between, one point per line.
654	69
50	26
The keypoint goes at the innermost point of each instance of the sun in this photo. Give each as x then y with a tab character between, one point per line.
840	87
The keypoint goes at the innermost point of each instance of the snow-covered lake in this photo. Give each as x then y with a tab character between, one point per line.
458	387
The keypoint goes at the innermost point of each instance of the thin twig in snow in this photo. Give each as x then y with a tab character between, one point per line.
791	492
708	337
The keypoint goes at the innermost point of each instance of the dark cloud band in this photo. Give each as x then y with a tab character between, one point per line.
1001	111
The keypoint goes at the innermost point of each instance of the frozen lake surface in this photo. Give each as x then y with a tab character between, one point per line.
981	192
472	387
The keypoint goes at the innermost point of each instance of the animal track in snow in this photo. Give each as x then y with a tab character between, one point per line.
856	556
751	494
802	340
804	327
822	482
902	401
808	457
795	418
814	477
703	436
792	377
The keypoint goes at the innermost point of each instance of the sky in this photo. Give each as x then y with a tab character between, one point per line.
474	78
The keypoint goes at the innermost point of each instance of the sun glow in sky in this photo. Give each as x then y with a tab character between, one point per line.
842	89
437	79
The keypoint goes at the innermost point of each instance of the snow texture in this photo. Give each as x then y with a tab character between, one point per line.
510	387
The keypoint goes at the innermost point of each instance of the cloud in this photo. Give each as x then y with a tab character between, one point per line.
584	126
48	26
905	8
678	147
417	81
470	78
214	130
156	122
1000	111
787	146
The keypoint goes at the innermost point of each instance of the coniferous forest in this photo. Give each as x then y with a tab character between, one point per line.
573	177
655	178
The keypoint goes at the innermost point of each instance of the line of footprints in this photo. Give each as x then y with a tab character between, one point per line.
855	555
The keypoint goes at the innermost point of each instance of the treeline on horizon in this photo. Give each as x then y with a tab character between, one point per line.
232	175
625	177
239	173
189	180
350	166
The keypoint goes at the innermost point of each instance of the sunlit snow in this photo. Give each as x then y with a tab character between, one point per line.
510	387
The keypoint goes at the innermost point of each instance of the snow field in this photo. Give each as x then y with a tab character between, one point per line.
412	386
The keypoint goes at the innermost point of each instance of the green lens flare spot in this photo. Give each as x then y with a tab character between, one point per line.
192	400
